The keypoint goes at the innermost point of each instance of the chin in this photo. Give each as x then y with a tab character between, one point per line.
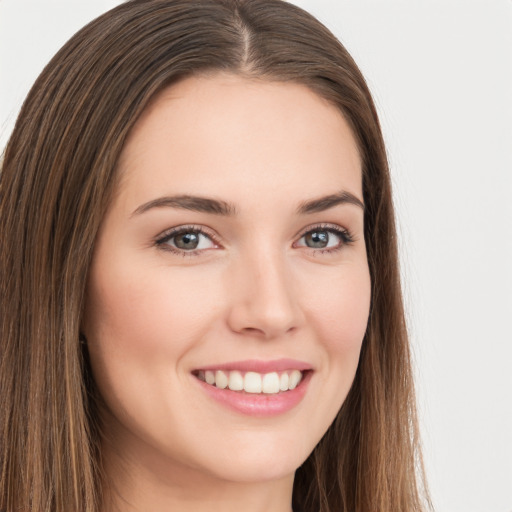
261	461
272	468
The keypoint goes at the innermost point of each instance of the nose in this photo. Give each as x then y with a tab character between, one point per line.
264	301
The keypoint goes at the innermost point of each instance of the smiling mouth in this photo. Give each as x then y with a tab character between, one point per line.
252	382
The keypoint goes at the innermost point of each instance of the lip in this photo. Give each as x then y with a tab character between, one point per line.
258	405
259	366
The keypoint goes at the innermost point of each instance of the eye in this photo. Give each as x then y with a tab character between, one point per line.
186	239
325	238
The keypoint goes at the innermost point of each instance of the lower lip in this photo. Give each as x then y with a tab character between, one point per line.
258	404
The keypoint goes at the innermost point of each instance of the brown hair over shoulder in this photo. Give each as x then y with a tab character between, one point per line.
58	175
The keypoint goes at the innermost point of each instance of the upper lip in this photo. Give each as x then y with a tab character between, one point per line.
259	366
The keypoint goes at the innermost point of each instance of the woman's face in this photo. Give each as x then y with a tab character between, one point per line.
232	255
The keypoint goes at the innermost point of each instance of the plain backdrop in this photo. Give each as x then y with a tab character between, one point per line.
441	75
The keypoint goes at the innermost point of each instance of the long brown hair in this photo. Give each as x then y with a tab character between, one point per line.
58	175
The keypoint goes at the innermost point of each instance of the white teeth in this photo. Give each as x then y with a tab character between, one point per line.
236	381
283	382
221	379
295	378
270	383
252	382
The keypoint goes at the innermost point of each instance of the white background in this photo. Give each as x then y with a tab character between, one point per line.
441	74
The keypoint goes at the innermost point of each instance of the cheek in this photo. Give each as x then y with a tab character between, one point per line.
338	315
340	320
123	315
135	314
139	325
341	310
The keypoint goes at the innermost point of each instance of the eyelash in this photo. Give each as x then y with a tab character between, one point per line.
161	242
346	238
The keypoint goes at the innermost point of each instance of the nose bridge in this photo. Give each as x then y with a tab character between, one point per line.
264	301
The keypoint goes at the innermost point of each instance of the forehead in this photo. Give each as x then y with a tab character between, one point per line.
227	134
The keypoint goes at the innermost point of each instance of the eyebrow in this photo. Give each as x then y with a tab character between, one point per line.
326	202
186	202
219	207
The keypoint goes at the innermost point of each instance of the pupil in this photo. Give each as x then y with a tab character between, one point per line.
187	241
317	239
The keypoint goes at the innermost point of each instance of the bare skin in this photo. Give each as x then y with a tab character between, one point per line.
272	265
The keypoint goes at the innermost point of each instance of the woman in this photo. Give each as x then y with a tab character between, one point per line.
201	305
